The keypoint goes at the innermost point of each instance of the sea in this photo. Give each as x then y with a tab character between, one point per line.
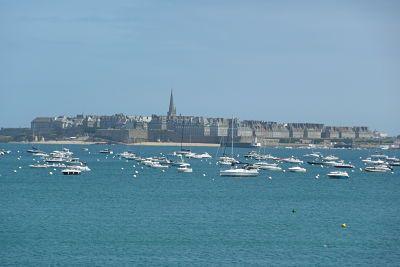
122	213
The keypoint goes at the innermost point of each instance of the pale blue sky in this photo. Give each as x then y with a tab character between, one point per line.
334	62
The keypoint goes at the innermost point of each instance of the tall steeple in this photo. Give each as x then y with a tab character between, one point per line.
172	109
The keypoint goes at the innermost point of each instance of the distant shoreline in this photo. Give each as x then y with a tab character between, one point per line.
174	144
54	142
75	142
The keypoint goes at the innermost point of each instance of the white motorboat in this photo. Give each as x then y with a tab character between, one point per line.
371	161
292	160
380	156
226	158
251	154
80	166
39	166
394	163
331	163
314	155
272	168
239	172
297	169
189	155
343	165
265	165
185	169
55	160
379	168
227	161
148	162
71	171
330	158
158	165
393	159
204	155
338	174
106	151
223	162
128	155
56	165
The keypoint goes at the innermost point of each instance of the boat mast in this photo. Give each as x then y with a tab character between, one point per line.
232	137
183	127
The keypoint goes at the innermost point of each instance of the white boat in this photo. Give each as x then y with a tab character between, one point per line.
181	162
81	167
55	160
185	169
39	166
71	171
40	154
204	155
371	161
338	174
34	150
56	165
239	172
330	158
148	162
315	155
272	168
254	143
128	155
292	160
265	165
183	152
157	165
251	154
331	163
297	169
343	166
380	168
106	151
225	160
379	156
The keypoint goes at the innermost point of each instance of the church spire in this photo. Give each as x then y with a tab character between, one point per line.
172	109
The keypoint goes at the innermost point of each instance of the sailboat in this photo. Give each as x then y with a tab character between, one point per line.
183	151
254	143
234	171
226	160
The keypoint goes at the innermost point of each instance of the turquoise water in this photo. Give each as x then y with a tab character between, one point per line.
109	217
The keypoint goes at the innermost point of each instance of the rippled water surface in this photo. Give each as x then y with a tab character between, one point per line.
109	217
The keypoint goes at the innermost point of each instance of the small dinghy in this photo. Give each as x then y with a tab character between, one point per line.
338	174
71	172
297	169
185	169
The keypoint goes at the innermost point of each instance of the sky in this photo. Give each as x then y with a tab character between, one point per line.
331	62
